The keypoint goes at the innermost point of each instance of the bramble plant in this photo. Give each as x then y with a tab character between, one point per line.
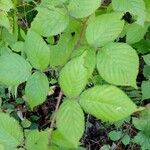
93	49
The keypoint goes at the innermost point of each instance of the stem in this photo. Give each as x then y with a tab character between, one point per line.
54	114
77	45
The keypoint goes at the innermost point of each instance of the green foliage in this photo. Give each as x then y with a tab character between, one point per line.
143	124
36	140
37	50
73	77
56	19
107	102
104	29
84	8
70	121
90	51
11	134
114	135
6	5
36	89
135	7
118	64
14	69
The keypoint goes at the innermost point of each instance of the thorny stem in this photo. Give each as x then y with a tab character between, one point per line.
54	114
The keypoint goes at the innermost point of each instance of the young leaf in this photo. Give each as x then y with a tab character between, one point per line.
118	64
104	29
73	77
14	69
135	7
36	89
36	140
11	134
60	53
143	136
37	50
126	139
70	121
115	135
107	102
57	21
83	8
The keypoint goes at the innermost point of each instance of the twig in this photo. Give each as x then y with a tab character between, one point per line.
54	114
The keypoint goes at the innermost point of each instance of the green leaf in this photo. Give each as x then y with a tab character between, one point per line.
60	53
7	37
147	59
70	121
107	102
135	33
37	50
49	3
18	46
147	4
126	139
118	64
11	134
146	71
36	140
105	147
115	135
73	77
89	58
135	7
6	5
143	136
84	8
57	21
142	140
4	21
59	140
145	90
36	89
104	29
14	69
